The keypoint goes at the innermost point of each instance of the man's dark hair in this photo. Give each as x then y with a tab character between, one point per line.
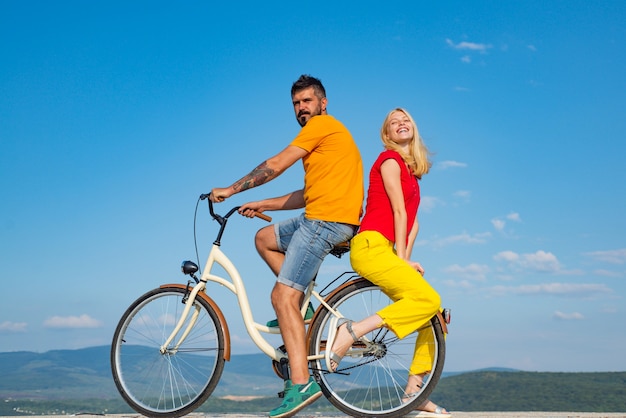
306	81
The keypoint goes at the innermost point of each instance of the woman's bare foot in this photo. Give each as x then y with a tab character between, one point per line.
346	334
343	341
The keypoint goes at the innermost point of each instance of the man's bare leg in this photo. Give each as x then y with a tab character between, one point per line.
265	241
286	302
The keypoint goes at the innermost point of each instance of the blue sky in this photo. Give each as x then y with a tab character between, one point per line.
116	116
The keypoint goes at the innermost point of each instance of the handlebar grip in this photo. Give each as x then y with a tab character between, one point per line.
263	216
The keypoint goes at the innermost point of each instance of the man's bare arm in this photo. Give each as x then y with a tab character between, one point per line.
260	175
264	172
293	200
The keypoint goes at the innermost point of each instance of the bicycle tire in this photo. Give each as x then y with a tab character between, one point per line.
174	383
371	382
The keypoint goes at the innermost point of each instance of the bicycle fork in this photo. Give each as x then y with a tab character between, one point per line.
192	322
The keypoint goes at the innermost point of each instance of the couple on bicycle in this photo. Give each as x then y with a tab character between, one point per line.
332	199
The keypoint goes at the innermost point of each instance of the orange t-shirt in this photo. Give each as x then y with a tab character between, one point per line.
333	171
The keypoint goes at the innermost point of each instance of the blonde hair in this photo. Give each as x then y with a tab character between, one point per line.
417	157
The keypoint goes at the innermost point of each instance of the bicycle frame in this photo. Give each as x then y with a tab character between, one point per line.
237	287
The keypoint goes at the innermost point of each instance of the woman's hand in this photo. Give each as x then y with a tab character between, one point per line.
417	266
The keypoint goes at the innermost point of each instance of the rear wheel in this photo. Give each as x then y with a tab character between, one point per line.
372	377
177	381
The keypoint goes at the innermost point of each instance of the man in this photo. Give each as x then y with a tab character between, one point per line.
294	249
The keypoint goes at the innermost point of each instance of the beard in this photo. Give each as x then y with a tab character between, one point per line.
304	116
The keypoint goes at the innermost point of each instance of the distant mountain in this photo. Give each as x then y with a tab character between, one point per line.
75	380
86	373
488	369
53	374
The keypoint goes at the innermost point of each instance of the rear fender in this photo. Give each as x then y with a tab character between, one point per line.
328	298
442	321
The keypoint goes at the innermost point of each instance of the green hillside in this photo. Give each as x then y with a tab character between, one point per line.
533	391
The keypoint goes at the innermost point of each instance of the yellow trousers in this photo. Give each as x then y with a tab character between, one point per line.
415	301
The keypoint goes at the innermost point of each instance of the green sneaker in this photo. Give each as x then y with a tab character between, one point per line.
308	315
296	398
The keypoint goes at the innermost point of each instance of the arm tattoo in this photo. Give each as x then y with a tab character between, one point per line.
256	177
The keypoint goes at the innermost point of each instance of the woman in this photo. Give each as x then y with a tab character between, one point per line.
381	250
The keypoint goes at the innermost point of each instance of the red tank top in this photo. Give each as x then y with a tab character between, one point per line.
378	213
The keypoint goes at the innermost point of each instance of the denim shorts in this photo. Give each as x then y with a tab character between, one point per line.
305	243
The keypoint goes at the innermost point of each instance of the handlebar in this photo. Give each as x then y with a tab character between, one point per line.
263	216
221	219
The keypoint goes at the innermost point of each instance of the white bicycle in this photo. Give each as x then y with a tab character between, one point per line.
170	345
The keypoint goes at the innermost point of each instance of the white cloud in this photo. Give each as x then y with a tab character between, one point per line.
83	321
514	216
450	164
463	194
539	261
568	316
556	289
607	273
471	271
610	256
532	48
468	46
610	310
428	203
509	256
498	224
466	59
8	326
461	284
463	238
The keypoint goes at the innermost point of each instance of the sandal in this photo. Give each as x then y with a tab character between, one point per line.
439	411
335	324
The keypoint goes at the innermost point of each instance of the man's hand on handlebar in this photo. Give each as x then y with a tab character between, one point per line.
219	194
250	209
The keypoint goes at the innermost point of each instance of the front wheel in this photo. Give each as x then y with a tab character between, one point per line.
176	381
371	379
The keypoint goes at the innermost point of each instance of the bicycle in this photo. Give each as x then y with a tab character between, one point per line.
170	345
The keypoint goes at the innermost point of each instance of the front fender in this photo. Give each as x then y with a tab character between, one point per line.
217	310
